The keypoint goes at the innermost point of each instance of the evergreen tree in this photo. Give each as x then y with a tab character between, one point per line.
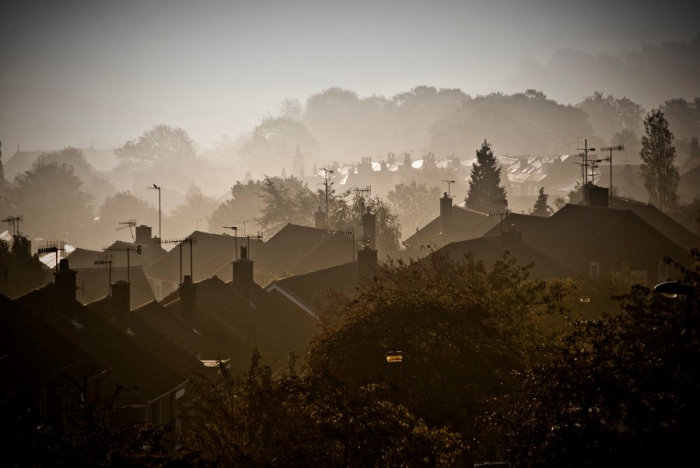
541	207
485	184
658	170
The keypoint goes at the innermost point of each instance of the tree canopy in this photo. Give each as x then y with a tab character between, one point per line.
160	146
541	208
485	190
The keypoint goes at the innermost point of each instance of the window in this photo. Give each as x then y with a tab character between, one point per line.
638	277
594	269
663	271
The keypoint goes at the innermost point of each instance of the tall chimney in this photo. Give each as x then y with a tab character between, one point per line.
121	303
446	213
243	273
65	288
366	263
188	300
369	228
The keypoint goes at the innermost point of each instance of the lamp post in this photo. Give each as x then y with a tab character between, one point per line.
160	233
673	289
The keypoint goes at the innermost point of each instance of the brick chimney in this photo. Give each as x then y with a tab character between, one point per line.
65	288
366	263
598	196
243	273
188	300
446	213
143	234
121	303
369	228
320	219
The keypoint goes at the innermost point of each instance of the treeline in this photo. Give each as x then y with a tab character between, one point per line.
339	125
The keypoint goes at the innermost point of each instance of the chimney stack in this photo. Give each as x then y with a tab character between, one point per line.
188	300
143	234
366	263
446	213
369	228
243	273
65	288
121	303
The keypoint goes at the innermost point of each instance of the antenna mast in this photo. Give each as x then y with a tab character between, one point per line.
191	241
130	225
128	249
53	247
610	158
449	184
14	221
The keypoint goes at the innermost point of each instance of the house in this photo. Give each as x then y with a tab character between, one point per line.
454	223
71	336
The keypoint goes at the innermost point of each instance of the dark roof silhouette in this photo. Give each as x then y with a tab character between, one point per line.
523	223
301	249
491	249
660	221
128	363
466	224
275	327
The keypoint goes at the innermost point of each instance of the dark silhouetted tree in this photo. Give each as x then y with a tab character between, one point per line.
162	145
244	205
541	208
658	169
50	198
414	204
485	190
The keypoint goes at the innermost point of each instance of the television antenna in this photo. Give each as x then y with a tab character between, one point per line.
449	184
610	159
53	247
235	234
258	237
365	192
326	183
14	221
501	214
584	167
244	222
127	249
180	242
102	260
128	225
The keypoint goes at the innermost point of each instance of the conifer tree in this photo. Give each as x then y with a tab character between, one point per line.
541	208
485	188
659	171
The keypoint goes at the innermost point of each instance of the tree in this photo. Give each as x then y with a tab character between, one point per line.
194	212
467	332
541	208
306	420
160	146
120	207
658	169
485	184
50	198
609	115
245	205
20	272
285	201
620	390
414	204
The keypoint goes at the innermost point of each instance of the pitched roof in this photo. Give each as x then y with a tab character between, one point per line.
660	221
466	224
275	327
491	249
301	249
618	234
523	223
148	337
131	365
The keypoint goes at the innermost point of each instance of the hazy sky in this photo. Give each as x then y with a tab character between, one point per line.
73	71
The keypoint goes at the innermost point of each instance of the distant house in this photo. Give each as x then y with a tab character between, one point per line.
453	224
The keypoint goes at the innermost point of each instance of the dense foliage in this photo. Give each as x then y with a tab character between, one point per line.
659	171
485	189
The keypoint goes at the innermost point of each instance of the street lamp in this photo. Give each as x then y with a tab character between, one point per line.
673	289
155	187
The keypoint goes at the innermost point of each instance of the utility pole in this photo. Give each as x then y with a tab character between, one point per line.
327	184
235	233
